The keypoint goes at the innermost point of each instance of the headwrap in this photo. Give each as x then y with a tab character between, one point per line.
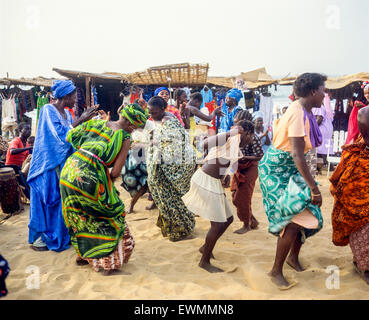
158	90
61	88
257	114
235	94
134	114
365	85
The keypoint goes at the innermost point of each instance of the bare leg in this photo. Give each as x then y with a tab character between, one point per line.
216	230
293	258
138	195
254	223
283	247
153	205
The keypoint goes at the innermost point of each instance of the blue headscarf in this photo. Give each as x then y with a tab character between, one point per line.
61	88
157	91
235	94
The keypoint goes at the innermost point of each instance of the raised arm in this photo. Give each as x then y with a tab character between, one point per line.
203	116
220	138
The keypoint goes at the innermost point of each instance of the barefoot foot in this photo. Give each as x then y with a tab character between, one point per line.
81	262
243	230
295	264
254	223
151	207
363	274
210	268
279	279
202	252
107	272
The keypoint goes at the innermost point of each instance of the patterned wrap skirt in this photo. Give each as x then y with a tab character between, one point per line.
359	243
120	255
285	192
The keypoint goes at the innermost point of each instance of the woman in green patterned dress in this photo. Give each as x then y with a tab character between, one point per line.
171	162
93	212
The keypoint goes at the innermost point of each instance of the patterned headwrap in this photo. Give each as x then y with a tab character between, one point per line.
61	88
158	90
134	114
365	85
235	94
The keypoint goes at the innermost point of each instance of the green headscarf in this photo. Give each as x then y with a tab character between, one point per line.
134	114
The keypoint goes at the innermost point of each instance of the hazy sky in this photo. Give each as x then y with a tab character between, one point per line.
233	36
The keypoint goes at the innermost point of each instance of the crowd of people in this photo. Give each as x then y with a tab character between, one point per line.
159	149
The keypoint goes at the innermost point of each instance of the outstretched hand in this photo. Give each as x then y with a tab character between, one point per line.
89	113
218	112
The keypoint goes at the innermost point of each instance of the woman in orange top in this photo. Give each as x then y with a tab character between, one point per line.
291	197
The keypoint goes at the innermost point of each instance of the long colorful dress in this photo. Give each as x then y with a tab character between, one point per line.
171	162
93	212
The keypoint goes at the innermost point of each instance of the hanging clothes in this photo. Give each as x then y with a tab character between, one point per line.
266	107
207	96
41	101
9	118
249	99
93	100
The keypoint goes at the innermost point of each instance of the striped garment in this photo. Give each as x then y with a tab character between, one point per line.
93	212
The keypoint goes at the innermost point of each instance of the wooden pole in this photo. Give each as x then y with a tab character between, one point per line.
88	93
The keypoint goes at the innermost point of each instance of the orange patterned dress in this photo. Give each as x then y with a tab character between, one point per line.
349	186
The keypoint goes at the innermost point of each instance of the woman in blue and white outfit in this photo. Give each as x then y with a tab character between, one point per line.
47	230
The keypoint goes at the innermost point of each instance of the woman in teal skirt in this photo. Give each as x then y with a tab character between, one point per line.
291	197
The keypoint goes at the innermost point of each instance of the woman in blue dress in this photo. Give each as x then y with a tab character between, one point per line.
47	230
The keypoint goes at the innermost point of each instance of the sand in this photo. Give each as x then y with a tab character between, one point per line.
160	269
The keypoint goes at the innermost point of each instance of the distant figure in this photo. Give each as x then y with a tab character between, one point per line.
164	93
264	135
350	185
17	153
353	129
230	109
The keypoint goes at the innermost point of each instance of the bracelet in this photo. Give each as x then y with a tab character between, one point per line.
314	194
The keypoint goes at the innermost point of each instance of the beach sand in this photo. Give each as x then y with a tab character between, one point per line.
160	269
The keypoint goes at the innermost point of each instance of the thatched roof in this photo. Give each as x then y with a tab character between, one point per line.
334	83
221	81
79	76
182	74
39	81
253	79
341	82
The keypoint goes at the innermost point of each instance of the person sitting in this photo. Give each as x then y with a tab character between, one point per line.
349	182
17	153
27	162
